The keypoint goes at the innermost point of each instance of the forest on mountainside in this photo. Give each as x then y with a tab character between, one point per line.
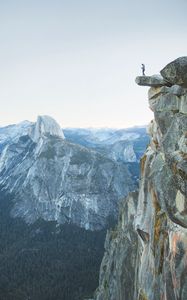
46	261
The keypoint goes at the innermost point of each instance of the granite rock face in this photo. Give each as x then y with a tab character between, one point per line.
54	179
162	207
160	268
45	126
176	71
117	273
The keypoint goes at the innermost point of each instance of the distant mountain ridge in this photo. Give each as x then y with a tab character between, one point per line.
126	145
121	145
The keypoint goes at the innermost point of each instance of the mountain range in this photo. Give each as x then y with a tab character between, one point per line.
75	175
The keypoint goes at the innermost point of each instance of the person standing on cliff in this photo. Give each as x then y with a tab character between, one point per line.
143	69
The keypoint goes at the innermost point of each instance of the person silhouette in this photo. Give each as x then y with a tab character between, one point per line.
143	69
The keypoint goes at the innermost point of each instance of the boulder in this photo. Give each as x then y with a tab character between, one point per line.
176	71
153	81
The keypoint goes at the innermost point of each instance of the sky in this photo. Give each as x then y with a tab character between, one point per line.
76	60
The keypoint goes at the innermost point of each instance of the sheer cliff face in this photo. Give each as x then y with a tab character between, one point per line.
117	270
160	270
162	208
57	180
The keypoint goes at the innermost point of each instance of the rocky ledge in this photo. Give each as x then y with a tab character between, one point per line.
154	81
172	74
157	262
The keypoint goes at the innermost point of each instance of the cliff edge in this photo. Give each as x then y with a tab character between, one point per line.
154	266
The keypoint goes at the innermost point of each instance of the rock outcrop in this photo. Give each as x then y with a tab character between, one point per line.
154	80
162	207
160	269
54	179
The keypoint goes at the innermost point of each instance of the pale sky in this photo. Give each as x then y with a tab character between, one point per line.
76	60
